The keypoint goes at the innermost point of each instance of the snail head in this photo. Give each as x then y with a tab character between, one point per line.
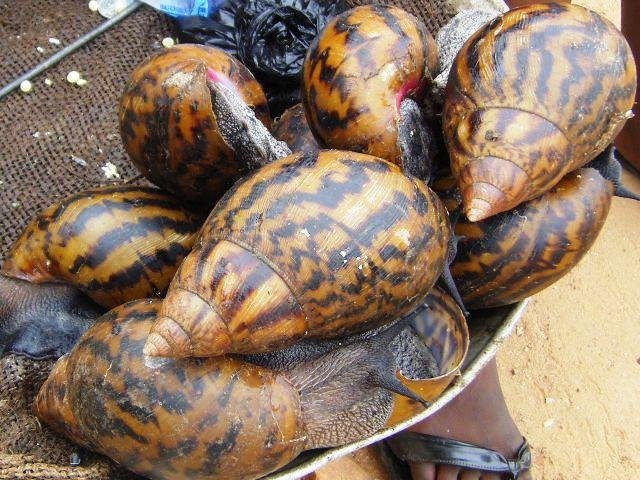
349	390
42	321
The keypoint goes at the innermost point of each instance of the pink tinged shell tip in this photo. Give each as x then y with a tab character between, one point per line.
156	346
478	209
216	77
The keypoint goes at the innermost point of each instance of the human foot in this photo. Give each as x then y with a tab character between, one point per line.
479	416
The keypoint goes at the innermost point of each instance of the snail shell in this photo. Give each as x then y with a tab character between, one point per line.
112	244
442	328
318	244
357	73
516	254
201	419
169	127
534	94
293	129
214	418
115	244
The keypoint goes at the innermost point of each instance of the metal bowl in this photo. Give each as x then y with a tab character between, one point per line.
488	329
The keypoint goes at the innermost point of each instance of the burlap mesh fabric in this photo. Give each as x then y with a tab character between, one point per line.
55	141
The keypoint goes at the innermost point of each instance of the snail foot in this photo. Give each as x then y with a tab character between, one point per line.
239	126
416	141
609	166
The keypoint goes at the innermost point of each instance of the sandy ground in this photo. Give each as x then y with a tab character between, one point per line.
571	374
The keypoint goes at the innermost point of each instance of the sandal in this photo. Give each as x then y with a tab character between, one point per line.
420	448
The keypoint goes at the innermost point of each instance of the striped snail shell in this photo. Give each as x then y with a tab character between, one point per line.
293	129
113	244
357	74
515	254
214	418
171	129
320	244
536	93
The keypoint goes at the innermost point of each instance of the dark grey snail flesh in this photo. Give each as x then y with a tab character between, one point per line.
42	321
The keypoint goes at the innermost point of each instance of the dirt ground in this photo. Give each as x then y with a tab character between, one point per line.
571	373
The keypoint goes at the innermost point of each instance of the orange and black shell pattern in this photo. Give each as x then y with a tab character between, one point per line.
293	129
320	244
536	93
516	254
169	128
442	327
115	244
216	418
358	71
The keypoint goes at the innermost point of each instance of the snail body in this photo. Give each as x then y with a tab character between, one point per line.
113	244
170	127
357	74
214	418
515	254
320	244
534	94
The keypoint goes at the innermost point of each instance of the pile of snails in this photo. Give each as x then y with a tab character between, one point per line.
281	296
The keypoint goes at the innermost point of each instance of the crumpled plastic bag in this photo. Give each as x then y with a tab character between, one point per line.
270	37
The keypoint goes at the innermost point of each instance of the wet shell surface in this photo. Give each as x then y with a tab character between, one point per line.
516	254
114	244
293	129
169	128
218	418
358	71
320	244
443	328
534	94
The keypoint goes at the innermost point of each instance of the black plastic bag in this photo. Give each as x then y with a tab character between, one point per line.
270	37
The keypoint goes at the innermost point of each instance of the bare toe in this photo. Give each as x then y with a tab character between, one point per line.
478	416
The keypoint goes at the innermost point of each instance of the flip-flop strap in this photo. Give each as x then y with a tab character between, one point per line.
420	448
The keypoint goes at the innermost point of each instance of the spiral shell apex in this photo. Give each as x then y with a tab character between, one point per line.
317	244
536	93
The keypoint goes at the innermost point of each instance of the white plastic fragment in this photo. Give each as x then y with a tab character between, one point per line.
26	86
80	161
110	170
54	41
81	82
168	42
48	82
73	76
39	49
